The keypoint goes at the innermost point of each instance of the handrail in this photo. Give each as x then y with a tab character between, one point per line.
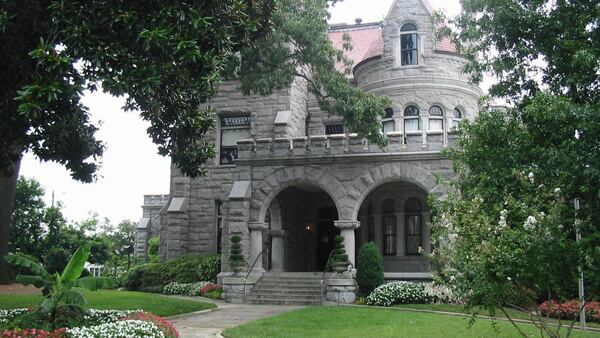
248	274
323	276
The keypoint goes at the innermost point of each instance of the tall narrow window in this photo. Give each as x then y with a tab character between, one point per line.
370	224
409	45
457	117
411	119
389	228
412	209
233	129
436	118
219	224
388	121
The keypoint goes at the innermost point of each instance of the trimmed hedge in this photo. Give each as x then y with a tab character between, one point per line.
186	269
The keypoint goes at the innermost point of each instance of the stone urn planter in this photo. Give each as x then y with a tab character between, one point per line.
340	267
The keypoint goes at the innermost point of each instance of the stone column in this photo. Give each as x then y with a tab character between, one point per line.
256	243
347	231
277	250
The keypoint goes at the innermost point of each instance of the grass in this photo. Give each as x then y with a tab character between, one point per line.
119	300
344	321
514	314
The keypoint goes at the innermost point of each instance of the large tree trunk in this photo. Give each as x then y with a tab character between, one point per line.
8	186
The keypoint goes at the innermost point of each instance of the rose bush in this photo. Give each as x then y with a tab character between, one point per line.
570	310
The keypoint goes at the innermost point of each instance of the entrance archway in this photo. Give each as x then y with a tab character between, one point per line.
301	230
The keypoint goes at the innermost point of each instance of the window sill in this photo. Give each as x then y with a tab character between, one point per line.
435	132
399	67
412	133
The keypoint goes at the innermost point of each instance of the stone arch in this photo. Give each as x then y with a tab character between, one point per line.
390	172
265	191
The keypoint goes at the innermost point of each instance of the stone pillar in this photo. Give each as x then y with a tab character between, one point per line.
277	250
347	231
256	243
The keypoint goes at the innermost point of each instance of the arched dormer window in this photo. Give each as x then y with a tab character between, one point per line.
409	45
412	210
389	228
436	118
411	119
456	117
388	121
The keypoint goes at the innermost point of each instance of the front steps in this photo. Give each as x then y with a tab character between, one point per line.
287	288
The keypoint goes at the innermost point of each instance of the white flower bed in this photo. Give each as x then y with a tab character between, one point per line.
98	317
119	329
7	315
440	294
398	293
192	289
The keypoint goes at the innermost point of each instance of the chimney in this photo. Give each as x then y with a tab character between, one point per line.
358	21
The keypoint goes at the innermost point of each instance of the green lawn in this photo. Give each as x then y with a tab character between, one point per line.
514	314
373	322
119	300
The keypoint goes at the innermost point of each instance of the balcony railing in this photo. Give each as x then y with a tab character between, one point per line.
324	145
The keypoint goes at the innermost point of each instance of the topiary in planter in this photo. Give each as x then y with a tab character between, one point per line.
236	258
340	258
369	264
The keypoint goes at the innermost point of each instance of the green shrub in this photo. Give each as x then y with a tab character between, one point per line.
153	246
209	268
132	280
214	294
369	264
236	258
157	274
339	254
398	293
56	260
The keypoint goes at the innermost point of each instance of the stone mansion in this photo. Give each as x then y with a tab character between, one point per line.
288	177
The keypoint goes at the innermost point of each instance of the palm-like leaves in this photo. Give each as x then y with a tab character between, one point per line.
58	287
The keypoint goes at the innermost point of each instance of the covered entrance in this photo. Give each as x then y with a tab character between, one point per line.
301	229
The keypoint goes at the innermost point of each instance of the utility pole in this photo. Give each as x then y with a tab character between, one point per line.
581	288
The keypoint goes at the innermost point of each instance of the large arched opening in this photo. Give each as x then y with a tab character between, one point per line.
301	229
395	216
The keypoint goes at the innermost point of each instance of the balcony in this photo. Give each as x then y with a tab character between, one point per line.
343	145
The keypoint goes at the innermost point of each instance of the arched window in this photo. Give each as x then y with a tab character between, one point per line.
370	224
388	121
436	118
457	117
411	119
389	228
412	209
409	45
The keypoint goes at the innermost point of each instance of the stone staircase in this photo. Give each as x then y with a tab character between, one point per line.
287	288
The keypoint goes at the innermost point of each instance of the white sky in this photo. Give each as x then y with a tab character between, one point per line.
131	168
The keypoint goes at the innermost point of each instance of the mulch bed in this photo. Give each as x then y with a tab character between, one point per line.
18	289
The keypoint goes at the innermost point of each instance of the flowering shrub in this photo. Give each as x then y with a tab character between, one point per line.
34	333
98	317
398	293
210	287
120	329
441	294
570	310
164	325
192	289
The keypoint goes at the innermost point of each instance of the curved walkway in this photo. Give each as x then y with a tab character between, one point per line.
210	323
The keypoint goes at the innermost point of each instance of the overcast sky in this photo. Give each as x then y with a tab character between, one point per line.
130	166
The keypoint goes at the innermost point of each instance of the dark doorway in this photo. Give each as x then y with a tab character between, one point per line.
326	232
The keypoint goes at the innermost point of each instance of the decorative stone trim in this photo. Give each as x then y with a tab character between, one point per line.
341	290
258	226
277	233
347	225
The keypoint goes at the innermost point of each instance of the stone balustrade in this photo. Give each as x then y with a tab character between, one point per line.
322	145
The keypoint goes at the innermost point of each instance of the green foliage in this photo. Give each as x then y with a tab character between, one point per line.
236	257
185	269
63	305
153	246
339	253
511	39
511	225
56	260
369	265
214	294
298	47
27	218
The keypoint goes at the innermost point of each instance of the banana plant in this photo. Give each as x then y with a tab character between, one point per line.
61	295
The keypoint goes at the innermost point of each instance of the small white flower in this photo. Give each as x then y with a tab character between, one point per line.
557	191
531	177
509	278
420	250
530	223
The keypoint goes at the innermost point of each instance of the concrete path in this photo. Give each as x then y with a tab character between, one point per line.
211	324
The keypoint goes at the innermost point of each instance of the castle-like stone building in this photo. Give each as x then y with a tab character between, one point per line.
288	177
